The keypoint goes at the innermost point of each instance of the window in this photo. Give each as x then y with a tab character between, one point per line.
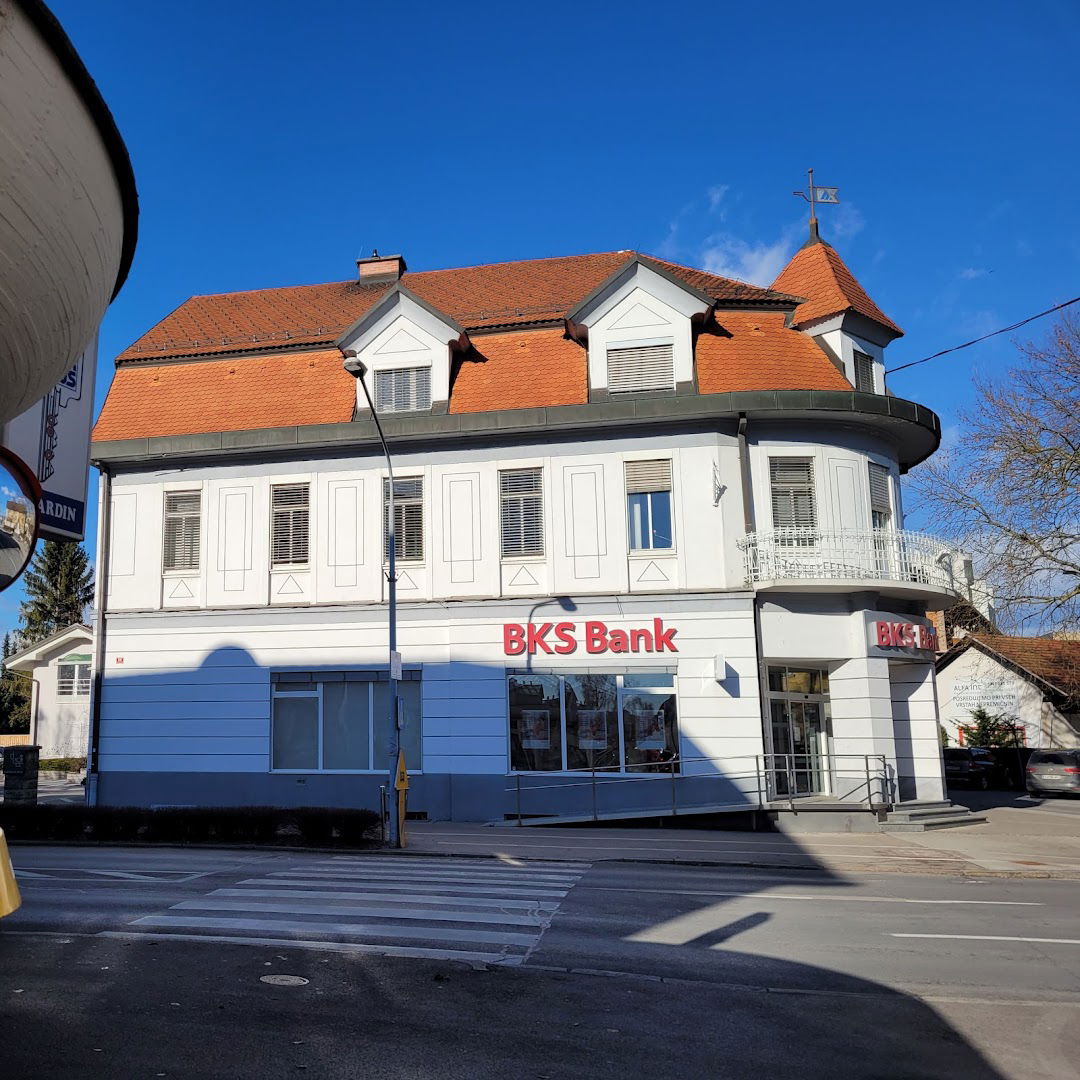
640	369
648	505
73	677
403	389
521	496
792	485
289	529
617	723
408	518
880	503
339	721
183	519
864	373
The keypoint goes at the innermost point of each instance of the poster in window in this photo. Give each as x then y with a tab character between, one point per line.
592	729
536	729
649	729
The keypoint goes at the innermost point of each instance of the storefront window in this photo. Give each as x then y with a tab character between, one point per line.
583	722
341	723
535	722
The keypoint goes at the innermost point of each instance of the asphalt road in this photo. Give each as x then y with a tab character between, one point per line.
144	963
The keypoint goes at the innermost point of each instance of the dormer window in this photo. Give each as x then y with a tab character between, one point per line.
864	373
641	369
403	390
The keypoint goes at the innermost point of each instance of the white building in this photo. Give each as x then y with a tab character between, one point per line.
1033	681
60	698
649	523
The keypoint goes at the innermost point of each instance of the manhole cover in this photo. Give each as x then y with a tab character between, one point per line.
284	980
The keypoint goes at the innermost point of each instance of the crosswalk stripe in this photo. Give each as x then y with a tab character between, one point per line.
374	911
450	888
417	933
417	898
427	875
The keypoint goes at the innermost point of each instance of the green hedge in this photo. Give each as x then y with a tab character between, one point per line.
62	764
313	825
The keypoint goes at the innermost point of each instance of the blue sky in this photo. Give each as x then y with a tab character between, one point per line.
273	143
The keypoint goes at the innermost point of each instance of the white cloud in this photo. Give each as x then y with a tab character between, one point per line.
843	223
970	273
716	195
732	257
9	493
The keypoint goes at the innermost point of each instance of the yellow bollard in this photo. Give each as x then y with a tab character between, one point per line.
9	890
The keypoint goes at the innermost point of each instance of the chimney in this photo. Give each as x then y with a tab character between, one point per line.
379	268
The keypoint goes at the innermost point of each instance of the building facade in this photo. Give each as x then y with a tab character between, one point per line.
650	545
60	699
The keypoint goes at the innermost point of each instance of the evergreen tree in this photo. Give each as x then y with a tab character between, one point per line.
14	696
59	586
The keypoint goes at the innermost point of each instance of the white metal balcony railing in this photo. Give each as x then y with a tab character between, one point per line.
896	555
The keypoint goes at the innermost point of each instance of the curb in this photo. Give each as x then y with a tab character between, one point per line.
822	870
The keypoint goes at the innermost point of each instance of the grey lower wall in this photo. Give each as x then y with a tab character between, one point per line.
440	796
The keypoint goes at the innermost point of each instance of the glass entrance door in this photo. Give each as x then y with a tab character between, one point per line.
799	731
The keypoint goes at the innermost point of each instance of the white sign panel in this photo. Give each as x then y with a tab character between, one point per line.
994	697
53	438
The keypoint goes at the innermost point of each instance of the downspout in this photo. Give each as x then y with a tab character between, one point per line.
749	529
101	601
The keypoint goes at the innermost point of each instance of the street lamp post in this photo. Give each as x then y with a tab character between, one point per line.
357	369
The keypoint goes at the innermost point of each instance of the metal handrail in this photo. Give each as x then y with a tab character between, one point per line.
900	555
871	770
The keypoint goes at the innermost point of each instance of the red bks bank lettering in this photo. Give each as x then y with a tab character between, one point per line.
562	638
905	635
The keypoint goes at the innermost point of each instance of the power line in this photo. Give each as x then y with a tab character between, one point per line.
993	333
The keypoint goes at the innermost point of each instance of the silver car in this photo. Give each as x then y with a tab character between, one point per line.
1050	772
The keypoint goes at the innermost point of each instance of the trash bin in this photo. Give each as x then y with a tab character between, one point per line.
21	774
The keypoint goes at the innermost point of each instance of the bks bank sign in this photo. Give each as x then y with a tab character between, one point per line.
563	638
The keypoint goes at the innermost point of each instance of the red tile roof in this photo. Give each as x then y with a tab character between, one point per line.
523	369
817	273
227	395
754	351
1054	661
496	294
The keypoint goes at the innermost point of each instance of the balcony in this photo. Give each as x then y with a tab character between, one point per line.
894	562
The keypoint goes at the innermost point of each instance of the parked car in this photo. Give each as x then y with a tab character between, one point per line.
1054	772
974	766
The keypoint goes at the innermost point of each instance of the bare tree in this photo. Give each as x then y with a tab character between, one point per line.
1009	492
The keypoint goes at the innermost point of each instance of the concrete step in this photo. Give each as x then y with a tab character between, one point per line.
926	812
931	824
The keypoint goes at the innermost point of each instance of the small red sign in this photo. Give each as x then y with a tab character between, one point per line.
901	635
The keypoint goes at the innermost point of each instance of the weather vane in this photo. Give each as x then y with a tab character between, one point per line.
817	195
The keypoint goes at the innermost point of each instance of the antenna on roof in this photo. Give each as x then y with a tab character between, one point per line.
817	195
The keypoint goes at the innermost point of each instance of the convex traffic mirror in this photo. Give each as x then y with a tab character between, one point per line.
19	495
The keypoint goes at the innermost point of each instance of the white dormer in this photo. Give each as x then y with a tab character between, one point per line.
639	331
861	359
405	345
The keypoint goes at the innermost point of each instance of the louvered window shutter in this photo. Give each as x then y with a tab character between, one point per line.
290	524
864	373
647	476
521	495
403	389
793	502
183	518
640	369
408	518
880	503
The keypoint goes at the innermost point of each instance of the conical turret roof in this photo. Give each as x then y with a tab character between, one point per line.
817	273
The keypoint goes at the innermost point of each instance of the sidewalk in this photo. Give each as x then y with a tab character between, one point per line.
1015	842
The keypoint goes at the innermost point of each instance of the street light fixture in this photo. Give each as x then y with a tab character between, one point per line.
358	370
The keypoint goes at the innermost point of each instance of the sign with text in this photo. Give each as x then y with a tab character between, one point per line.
994	697
899	636
563	638
53	438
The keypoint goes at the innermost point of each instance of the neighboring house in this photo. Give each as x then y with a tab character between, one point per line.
60	703
648	522
1034	680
